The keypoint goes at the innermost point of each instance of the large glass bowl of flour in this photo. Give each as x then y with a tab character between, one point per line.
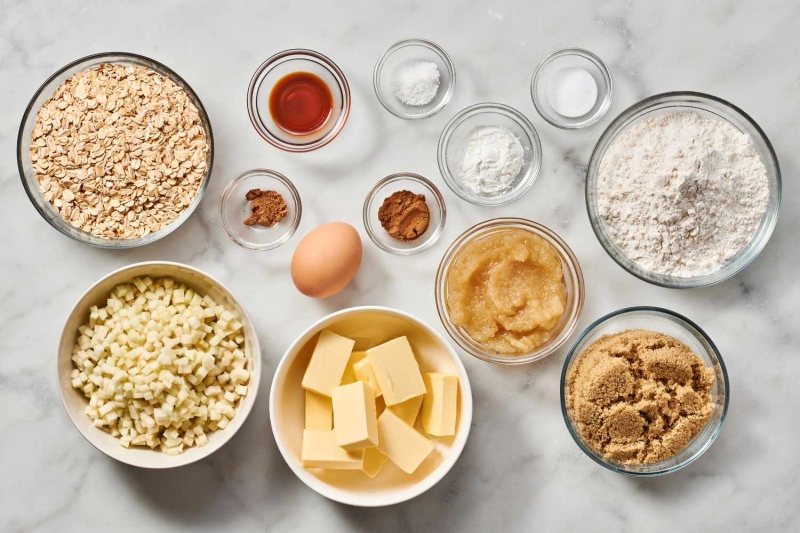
671	257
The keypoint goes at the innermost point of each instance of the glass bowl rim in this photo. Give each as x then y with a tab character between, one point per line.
341	81
425	182
494	108
772	215
594	58
682	321
425	43
295	197
564	252
119	244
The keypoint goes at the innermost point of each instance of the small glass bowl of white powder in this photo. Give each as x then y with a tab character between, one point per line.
683	190
572	88
414	78
489	154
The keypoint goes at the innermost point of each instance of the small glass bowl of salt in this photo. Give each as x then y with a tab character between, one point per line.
572	88
414	78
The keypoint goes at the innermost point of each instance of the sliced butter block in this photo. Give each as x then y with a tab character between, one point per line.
320	451
396	370
319	412
373	462
363	372
409	409
355	421
401	443
350	374
439	404
326	368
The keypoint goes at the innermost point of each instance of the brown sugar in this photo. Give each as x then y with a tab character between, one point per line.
404	215
639	397
267	208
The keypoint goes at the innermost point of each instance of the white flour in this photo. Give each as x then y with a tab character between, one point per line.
492	160
682	193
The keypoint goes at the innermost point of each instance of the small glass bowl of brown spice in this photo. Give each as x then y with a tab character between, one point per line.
404	214
644	391
260	209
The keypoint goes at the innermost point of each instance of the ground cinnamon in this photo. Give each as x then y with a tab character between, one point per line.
267	208
404	215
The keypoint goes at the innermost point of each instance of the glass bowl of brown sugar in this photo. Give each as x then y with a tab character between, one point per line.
260	209
404	214
658	411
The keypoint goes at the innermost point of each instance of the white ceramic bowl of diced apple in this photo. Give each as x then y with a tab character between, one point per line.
369	327
76	402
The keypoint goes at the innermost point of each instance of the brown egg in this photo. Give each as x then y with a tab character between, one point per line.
326	259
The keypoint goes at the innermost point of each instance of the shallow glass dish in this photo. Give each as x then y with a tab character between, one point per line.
413	50
686	331
455	137
567	58
234	209
404	181
573	279
712	107
273	70
28	176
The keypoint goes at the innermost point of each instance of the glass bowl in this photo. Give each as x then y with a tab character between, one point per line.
686	331
456	135
275	68
413	50
567	58
404	181
712	107
573	278
234	209
28	176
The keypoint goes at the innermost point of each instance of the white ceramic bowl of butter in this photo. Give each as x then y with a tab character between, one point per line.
369	327
75	402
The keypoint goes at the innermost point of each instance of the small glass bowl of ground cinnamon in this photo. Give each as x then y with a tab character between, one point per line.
260	209
404	214
644	391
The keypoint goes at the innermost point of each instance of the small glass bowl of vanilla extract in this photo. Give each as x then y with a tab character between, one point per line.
298	100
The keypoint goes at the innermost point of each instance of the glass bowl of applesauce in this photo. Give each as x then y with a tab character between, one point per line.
509	291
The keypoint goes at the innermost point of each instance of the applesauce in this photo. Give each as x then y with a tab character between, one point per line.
507	291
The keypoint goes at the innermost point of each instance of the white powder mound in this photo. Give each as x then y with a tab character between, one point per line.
492	160
682	193
416	82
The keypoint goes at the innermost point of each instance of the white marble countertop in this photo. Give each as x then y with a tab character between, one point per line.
520	471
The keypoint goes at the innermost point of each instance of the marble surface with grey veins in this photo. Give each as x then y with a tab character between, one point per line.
520	471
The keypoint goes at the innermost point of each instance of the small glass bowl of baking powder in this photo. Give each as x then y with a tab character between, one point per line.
234	209
456	138
564	80
401	54
714	108
678	327
404	181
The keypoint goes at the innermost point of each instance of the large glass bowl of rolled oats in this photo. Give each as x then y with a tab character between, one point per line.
115	150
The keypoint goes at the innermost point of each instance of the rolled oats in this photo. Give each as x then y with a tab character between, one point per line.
119	151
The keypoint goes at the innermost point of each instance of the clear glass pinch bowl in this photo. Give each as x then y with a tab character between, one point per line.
273	70
455	138
413	50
